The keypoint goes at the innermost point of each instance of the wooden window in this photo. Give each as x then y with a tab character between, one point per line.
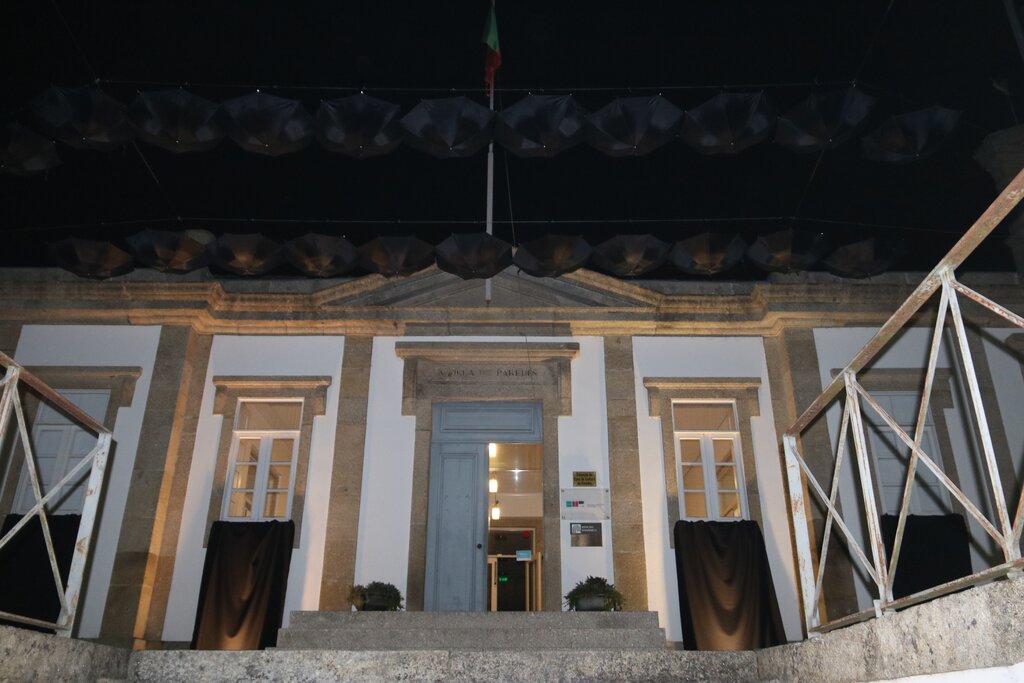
710	475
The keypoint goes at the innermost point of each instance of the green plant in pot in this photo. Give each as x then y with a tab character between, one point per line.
594	594
376	596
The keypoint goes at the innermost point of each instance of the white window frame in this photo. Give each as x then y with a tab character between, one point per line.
263	463
707	439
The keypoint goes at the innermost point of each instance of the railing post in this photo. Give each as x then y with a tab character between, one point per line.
801	536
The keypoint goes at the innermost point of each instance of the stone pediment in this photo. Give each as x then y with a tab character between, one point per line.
434	288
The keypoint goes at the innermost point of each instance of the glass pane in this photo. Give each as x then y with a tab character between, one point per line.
245	477
703	417
728	505
726	477
269	415
695	505
279	476
693	477
276	504
240	505
248	450
689	450
282	449
723	450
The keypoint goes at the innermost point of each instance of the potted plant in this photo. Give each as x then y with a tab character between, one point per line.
594	594
376	596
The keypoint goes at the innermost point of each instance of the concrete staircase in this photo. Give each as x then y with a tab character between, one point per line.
472	631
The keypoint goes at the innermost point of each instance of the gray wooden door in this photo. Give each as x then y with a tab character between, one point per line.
457	528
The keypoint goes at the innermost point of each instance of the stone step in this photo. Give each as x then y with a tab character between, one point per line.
506	666
519	639
473	620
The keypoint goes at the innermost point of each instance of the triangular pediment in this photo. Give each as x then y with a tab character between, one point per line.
434	288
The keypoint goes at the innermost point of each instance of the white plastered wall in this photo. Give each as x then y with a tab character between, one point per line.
836	347
688	357
386	502
1008	381
88	346
258	356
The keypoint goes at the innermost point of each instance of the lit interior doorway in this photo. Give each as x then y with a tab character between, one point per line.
515	543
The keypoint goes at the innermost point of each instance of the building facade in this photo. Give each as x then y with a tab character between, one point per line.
402	424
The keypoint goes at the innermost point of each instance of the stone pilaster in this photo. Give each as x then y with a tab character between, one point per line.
624	473
347	475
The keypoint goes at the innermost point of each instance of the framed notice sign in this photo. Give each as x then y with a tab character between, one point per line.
585	534
581	479
584	504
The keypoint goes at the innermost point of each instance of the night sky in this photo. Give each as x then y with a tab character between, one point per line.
908	53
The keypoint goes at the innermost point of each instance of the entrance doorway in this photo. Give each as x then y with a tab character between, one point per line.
485	507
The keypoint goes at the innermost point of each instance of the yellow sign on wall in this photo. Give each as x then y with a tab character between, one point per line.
580	479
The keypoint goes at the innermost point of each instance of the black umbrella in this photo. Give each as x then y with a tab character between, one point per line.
266	124
553	255
321	255
865	258
728	123
89	258
83	117
824	120
908	137
630	255
541	125
246	254
176	120
708	253
391	256
473	255
23	152
168	251
359	126
788	250
633	126
448	128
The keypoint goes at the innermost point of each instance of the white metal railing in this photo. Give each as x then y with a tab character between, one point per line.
10	402
1004	530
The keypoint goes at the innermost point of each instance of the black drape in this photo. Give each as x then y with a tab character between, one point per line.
936	549
726	595
241	600
26	578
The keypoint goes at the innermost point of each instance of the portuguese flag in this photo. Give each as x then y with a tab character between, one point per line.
493	58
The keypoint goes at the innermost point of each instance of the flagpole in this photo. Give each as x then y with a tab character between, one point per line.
490	199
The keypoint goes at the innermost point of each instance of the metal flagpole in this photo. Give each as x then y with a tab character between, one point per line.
490	198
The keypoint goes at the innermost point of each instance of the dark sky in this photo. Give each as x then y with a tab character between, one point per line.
908	53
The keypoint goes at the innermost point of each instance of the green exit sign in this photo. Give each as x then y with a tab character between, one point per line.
502	579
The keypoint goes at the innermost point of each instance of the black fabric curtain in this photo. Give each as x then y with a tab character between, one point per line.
936	549
241	599
726	595
26	578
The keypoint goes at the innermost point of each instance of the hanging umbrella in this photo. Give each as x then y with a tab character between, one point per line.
541	125
268	125
824	120
630	255
359	126
23	152
728	123
321	255
708	253
552	256
788	250
176	120
89	258
246	254
908	137
391	256
83	117
865	258
634	126
448	128
168	251
473	255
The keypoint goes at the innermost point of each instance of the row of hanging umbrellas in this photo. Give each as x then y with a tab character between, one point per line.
473	255
536	126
